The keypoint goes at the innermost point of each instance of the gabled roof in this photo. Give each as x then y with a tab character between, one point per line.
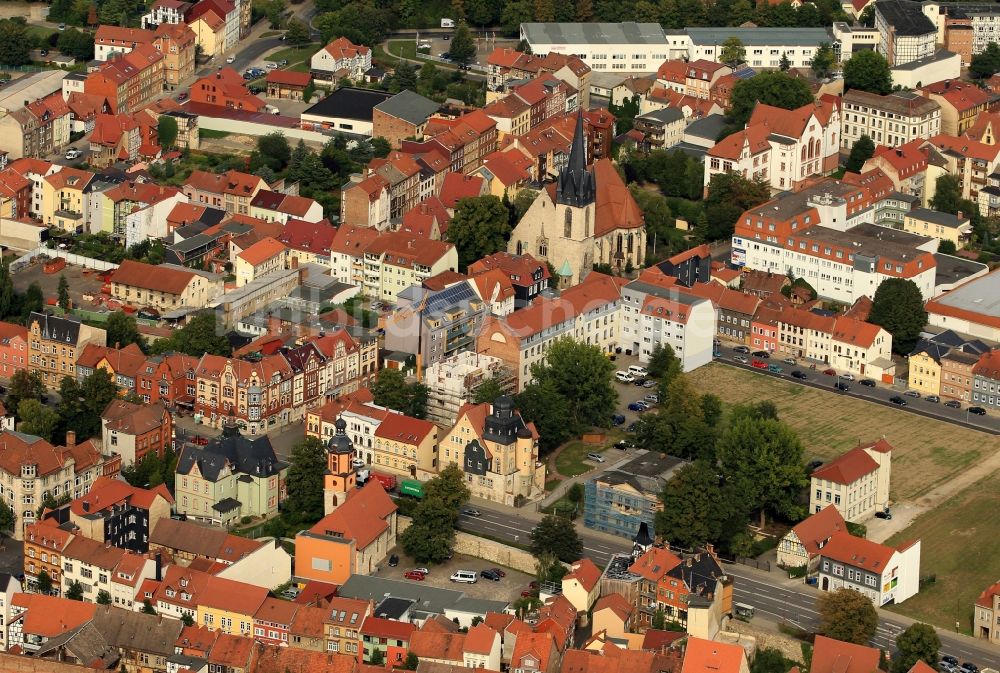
289	78
438	645
835	656
616	603
848	467
344	48
817	529
480	639
362	517
858	552
655	563
404	429
151	277
710	656
457	186
261	251
49	616
106	492
230	182
616	208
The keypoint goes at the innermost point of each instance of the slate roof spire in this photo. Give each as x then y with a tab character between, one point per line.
576	185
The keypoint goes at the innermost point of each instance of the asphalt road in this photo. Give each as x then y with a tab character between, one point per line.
879	394
773	599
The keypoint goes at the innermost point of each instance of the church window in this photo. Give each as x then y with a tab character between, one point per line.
586	223
543	248
520	247
568	224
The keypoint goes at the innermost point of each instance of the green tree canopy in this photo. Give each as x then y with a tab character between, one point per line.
919	642
37	419
297	32
391	390
869	71
898	306
580	374
729	196
543	405
823	61
44	582
733	52
123	330
699	508
75	591
487	391
463	47
24	385
557	535
198	337
76	43
846	615
480	227
274	150
7	518
166	130
862	150
305	481
14	43
678	426
431	535
448	487
762	458
103	597
663	363
771	88
986	63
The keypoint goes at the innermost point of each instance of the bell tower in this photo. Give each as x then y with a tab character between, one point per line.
340	477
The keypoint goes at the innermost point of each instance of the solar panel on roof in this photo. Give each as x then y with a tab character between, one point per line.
744	73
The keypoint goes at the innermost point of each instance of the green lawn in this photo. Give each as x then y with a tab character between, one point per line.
40	34
959	545
552	483
572	461
209	133
408	49
294	54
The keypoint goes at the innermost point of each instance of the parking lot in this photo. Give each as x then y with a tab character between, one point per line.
508	588
81	282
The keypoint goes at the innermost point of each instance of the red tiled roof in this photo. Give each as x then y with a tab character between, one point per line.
709	656
858	552
388	628
261	251
655	563
362	517
835	656
814	531
480	639
457	186
405	429
616	603
151	277
107	492
596	290
49	616
615	207
289	78
848	467
17	450
344	48
230	182
438	645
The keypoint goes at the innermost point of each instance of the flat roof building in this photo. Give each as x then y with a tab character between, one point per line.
347	109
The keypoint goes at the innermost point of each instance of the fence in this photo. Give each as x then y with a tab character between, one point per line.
754	563
70	257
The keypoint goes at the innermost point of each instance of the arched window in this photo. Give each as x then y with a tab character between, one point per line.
804	150
568	223
543	248
520	247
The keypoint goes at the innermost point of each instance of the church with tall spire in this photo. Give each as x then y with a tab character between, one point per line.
584	216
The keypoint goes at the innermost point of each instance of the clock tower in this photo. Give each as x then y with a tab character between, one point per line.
340	477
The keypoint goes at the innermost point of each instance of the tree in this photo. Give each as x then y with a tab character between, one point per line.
76	43
663	363
947	247
556	535
186	618
548	568
411	662
699	508
44	582
297	33
729	196
784	64
103	597
14	42
762	458
867	17
770	660
83	414
391	390
480	227
405	77
431	534
377	658
75	592
771	88
541	404
846	615
711	409
123	330
919	642
166	130
987	63
63	292
147	607
862	150
575	493
448	487
869	71
24	385
823	60
659	619
37	419
487	391
898	306
274	151
197	337
732	53
463	47
32	302
580	374
7	295
305	480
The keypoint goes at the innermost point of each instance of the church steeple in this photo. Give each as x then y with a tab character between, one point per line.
576	184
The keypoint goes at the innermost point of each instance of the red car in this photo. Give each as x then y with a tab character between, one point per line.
414	575
830	372
528	593
759	364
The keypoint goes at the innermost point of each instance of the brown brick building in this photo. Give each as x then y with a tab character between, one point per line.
402	117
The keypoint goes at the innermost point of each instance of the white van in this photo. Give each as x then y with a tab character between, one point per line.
465	576
636	370
624	377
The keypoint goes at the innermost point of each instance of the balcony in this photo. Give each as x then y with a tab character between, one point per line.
68	215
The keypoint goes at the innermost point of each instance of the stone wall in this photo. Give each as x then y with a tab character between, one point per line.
488	550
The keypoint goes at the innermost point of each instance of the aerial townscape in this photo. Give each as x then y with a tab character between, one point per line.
531	336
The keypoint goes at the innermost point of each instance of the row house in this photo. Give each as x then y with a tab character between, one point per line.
54	345
174	40
66	199
679	587
164	287
891	120
115	512
235	15
465	140
134	430
129	81
231	191
694	78
504	65
976	163
402	175
960	103
37	128
15	194
13	349
881	573
781	147
307	242
225	88
44	544
33	469
122	364
587	312
35	171
911	167
339	60
986	381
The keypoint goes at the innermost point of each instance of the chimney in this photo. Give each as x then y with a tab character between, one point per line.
159	567
70	438
959	214
86	506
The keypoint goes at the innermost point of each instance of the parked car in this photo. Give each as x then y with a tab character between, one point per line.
830	372
596	457
283	62
624	377
393	561
489	575
499	572
847	377
182	96
978	411
464	576
617	419
932	398
896	399
759	364
741	359
949	659
912	393
72	153
870	383
799	375
761	354
231	59
638	407
790	361
639	381
883	514
813	465
422	570
291	593
625	444
969	667
652	398
775	369
954	404
62	26
470	511
843	385
414	575
741	349
649	383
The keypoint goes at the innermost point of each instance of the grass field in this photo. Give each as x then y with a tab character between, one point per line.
294	54
209	133
40	34
960	544
927	451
